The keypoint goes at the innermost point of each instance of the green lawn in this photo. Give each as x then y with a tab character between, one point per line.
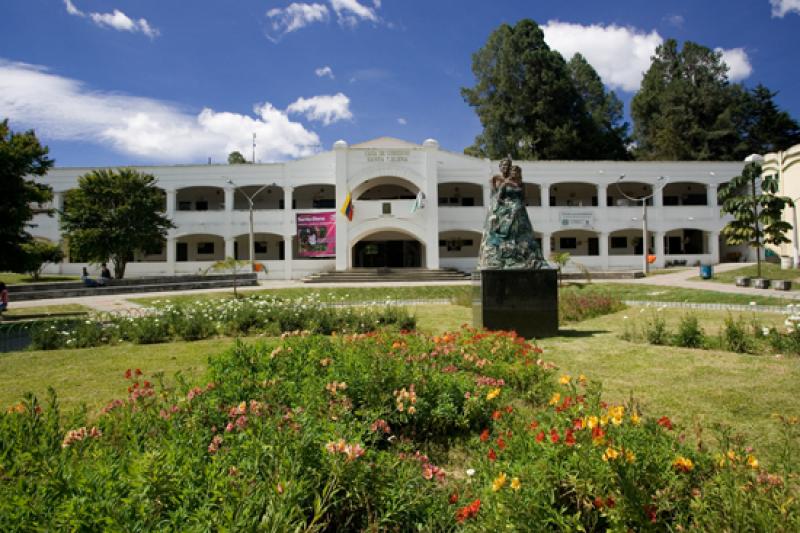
45	310
691	386
656	293
13	278
768	270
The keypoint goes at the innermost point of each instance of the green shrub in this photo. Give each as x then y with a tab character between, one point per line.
689	334
574	307
656	329
734	336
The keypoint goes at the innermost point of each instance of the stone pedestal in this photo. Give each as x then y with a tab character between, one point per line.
525	301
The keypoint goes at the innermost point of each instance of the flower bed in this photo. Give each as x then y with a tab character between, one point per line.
379	431
205	318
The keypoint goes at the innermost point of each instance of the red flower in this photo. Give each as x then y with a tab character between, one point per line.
598	503
577	423
496	415
534	425
453	498
492	455
501	443
485	435
138	372
651	511
128	374
611	502
509	409
569	438
540	437
554	436
665	422
468	511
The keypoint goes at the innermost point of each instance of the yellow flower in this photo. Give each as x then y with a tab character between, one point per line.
591	422
610	454
412	410
604	420
752	462
515	484
630	456
555	398
499	482
635	420
683	463
565	379
582	379
494	393
732	456
617	412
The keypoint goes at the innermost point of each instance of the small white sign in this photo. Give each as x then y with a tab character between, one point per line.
387	156
577	220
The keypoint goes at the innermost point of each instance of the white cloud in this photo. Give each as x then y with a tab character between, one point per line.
402	121
324	108
620	55
324	71
64	109
781	7
675	20
350	12
116	20
293	17
739	66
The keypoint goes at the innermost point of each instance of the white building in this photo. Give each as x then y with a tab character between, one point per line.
575	206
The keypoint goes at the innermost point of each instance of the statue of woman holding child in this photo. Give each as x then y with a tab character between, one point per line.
508	241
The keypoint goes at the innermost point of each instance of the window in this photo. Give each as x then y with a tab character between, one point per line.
324	204
468	202
205	248
386	208
184	206
201	205
260	247
568	243
619	242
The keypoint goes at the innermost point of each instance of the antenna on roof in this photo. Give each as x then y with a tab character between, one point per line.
254	148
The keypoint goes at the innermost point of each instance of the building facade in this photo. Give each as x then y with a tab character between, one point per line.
578	207
786	165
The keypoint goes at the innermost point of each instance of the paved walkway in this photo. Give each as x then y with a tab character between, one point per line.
680	278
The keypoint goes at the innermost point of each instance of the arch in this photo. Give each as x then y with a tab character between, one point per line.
382	171
687	241
268	246
578	242
385	188
533	194
199	247
685	193
459	243
628	241
616	193
314	196
573	194
271	197
387	247
200	198
460	193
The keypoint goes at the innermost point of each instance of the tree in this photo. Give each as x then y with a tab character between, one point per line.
604	108
686	109
765	127
38	253
113	214
234	266
526	100
236	158
560	259
21	156
752	201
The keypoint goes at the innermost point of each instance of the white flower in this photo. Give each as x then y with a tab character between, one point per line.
625	317
470	472
765	331
752	303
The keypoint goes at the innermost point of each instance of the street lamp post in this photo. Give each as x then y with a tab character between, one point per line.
660	183
252	244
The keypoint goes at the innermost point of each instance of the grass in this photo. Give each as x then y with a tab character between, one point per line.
768	270
657	293
13	278
691	386
46	310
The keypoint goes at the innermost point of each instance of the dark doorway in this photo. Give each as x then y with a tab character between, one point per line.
182	251
390	254
594	246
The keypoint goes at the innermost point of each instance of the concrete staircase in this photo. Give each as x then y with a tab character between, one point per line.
383	275
67	289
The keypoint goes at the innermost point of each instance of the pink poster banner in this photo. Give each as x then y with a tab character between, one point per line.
316	234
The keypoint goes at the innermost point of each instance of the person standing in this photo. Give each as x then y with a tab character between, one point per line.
105	275
3	297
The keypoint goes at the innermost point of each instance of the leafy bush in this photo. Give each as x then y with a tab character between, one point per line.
734	336
689	334
574	307
656	329
379	432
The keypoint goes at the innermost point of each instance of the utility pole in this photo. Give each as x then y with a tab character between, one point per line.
254	148
252	244
660	183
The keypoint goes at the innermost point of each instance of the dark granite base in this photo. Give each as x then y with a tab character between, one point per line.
525	301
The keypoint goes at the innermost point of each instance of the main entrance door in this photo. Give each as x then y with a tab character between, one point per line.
391	254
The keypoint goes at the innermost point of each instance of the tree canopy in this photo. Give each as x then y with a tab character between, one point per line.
528	104
21	156
756	208
236	158
113	214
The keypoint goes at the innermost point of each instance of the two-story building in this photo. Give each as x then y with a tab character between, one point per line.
580	207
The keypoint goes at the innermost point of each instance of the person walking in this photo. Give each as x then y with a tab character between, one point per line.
3	297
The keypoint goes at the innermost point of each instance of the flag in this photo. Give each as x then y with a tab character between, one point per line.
347	208
419	202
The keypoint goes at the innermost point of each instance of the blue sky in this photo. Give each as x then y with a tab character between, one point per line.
145	81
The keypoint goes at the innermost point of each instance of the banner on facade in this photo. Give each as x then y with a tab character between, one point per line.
316	234
577	220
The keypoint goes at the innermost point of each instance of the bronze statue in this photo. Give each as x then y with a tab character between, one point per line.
508	241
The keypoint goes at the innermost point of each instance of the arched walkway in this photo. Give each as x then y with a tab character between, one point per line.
314	197
575	242
268	247
573	194
617	192
629	242
457	194
200	199
685	193
385	188
270	197
199	247
389	249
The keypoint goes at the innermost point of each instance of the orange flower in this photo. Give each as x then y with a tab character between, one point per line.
484	435
492	455
683	464
501	444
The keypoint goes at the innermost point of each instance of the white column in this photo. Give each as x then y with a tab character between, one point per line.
229	246
431	210
171	195
546	251
602	195
711	191
342	224
658	197
171	254
660	253
544	193
713	245
603	238
58	201
288	255
229	195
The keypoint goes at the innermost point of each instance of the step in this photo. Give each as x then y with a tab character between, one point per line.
116	289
